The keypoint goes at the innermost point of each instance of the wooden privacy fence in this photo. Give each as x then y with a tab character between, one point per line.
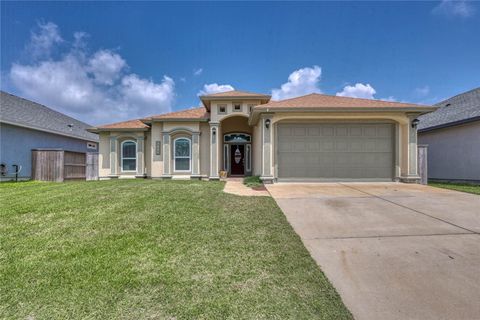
423	163
60	165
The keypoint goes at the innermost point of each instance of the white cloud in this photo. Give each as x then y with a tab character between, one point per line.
454	8
79	39
215	88
422	91
359	90
94	87
390	98
197	72
63	83
147	94
106	66
300	82
43	39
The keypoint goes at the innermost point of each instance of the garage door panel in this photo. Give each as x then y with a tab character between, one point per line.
383	145
284	131
335	151
327	131
384	131
313	131
341	145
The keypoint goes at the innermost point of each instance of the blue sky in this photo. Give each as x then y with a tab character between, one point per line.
111	61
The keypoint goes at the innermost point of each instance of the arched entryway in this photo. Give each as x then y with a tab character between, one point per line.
236	156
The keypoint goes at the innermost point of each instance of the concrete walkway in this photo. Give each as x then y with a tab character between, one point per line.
235	186
393	251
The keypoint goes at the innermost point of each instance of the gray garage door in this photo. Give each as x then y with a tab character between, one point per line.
335	151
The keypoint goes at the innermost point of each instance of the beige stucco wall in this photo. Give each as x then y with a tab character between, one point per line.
104	154
175	125
215	116
105	151
235	123
178	129
148	153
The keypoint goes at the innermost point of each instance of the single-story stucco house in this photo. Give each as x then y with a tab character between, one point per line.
312	137
452	134
27	125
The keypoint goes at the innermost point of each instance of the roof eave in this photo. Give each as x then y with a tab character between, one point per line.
49	130
98	130
449	124
414	109
206	99
179	120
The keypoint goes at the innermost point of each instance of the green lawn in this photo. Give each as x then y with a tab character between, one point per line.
464	187
143	249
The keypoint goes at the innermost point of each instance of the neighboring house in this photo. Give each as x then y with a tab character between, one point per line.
313	137
26	125
452	134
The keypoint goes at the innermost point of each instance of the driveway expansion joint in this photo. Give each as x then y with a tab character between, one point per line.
408	208
392	236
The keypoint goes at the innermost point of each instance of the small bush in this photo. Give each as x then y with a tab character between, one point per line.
252	182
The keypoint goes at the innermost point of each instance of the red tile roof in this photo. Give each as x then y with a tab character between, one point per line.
316	100
195	113
129	124
313	100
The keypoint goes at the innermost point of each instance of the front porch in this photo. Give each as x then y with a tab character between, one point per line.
232	152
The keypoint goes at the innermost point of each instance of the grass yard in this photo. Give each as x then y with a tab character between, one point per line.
464	187
143	249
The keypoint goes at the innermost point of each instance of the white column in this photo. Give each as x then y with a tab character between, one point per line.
195	154
166	155
214	132
398	152
140	159
412	148
267	153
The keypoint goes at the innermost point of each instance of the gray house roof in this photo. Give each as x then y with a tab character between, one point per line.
25	113
459	109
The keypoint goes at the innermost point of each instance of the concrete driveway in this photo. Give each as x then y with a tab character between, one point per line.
393	251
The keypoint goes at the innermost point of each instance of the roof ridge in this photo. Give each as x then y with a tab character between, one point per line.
457	95
107	124
181	110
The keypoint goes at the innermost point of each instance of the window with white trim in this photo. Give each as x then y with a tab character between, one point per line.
129	156
237	107
182	152
222	109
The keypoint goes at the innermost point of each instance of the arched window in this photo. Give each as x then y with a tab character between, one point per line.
182	154
129	156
